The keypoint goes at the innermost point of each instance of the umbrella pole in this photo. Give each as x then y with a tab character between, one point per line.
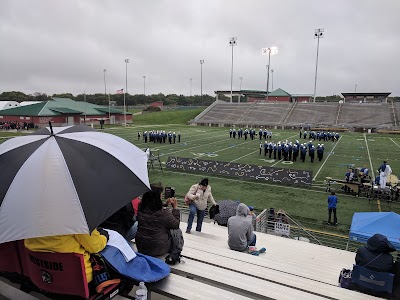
51	128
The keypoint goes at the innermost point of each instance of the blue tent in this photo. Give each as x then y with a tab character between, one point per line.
366	224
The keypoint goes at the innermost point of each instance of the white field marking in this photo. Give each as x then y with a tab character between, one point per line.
330	153
276	163
244	156
395	142
369	156
193	148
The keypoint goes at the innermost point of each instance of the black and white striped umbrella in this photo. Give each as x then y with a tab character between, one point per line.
66	180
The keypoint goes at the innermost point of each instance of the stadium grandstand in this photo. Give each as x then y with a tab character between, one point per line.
356	111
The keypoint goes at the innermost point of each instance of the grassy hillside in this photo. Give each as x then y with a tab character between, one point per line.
167	117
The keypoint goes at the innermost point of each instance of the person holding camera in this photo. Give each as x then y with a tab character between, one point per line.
197	198
158	226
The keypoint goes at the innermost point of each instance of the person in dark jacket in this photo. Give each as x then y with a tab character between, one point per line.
377	245
158	227
123	222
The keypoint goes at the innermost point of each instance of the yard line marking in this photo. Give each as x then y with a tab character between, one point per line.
329	155
243	156
369	156
277	162
395	142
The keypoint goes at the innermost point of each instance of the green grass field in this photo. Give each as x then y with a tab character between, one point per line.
308	204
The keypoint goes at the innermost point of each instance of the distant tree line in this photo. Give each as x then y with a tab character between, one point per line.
101	99
140	99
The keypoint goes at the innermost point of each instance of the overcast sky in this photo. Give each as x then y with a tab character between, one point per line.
56	46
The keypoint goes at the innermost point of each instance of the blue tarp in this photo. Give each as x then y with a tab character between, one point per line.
366	224
141	268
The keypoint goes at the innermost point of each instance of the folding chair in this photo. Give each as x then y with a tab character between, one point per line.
376	283
60	274
10	263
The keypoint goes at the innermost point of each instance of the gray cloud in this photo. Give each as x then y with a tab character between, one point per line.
63	46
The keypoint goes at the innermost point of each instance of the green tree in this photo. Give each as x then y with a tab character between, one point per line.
64	95
14	96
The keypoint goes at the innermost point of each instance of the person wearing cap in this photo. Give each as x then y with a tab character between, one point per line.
197	198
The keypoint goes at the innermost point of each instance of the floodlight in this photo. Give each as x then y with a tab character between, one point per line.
269	51
274	50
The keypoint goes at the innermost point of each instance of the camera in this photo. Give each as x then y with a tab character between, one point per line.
169	192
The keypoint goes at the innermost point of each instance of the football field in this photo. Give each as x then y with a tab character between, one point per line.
308	204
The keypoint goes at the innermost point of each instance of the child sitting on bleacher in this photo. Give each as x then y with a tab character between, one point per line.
240	232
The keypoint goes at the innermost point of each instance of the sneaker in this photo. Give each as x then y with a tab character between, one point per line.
336	224
262	250
188	231
329	223
169	260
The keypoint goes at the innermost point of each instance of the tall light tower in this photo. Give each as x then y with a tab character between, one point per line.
232	42
144	85
190	87
105	94
126	86
240	86
272	79
318	33
355	88
269	51
201	79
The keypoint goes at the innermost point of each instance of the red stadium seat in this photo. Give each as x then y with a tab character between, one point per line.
60	274
10	262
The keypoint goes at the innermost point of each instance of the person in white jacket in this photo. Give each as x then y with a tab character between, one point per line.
197	198
385	171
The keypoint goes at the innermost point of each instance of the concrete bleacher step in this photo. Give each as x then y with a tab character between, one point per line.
291	256
180	287
286	267
231	280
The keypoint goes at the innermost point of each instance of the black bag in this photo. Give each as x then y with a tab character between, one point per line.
102	278
177	243
213	211
345	278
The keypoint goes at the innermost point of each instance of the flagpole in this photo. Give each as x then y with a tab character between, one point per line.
126	87
109	109
84	98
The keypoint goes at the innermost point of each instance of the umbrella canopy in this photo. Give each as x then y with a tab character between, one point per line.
227	209
66	180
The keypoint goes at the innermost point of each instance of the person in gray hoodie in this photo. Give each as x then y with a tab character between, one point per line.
240	230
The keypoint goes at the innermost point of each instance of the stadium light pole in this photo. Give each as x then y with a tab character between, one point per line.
126	86
232	42
318	33
272	79
105	94
201	79
355	88
190	87
240	86
269	51
144	85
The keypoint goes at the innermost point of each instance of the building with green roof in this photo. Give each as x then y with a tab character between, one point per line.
64	111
